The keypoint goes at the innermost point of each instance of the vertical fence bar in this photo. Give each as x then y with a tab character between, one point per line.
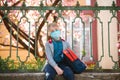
62	18
10	41
10	36
17	33
36	39
29	41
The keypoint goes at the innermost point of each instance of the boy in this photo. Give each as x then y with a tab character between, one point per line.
54	52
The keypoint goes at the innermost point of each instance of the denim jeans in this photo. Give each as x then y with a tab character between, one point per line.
50	73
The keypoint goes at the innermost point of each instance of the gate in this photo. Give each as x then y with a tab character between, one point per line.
23	33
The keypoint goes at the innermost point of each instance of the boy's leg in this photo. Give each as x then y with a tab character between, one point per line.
50	73
68	73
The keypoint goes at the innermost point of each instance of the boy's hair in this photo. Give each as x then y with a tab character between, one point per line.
52	24
49	25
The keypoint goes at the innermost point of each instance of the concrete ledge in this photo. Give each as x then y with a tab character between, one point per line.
40	76
21	76
98	76
95	76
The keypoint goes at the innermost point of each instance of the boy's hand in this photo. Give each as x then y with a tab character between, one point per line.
58	70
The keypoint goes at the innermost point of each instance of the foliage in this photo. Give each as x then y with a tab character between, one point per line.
90	64
83	53
3	65
8	65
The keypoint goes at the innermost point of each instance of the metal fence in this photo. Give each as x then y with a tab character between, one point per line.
27	28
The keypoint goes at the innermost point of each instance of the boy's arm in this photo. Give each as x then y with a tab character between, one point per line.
49	55
51	60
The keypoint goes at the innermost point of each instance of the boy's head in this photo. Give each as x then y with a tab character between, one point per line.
54	31
52	27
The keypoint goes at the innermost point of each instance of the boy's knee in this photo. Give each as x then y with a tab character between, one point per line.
49	76
68	73
69	76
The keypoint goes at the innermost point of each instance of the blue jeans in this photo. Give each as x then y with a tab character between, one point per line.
51	73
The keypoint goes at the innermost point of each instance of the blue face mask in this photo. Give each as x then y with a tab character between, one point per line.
56	34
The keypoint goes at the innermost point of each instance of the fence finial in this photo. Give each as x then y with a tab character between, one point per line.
96	4
6	3
113	4
60	4
77	4
41	4
23	3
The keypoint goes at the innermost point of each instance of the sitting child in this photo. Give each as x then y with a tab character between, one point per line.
54	53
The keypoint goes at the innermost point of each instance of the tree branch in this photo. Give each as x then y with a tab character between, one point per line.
22	33
12	46
17	3
7	25
41	25
46	16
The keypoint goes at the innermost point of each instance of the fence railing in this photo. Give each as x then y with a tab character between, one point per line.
23	33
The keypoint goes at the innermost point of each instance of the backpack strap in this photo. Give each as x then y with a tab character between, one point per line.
50	40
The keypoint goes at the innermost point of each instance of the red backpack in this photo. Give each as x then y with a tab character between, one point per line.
73	61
